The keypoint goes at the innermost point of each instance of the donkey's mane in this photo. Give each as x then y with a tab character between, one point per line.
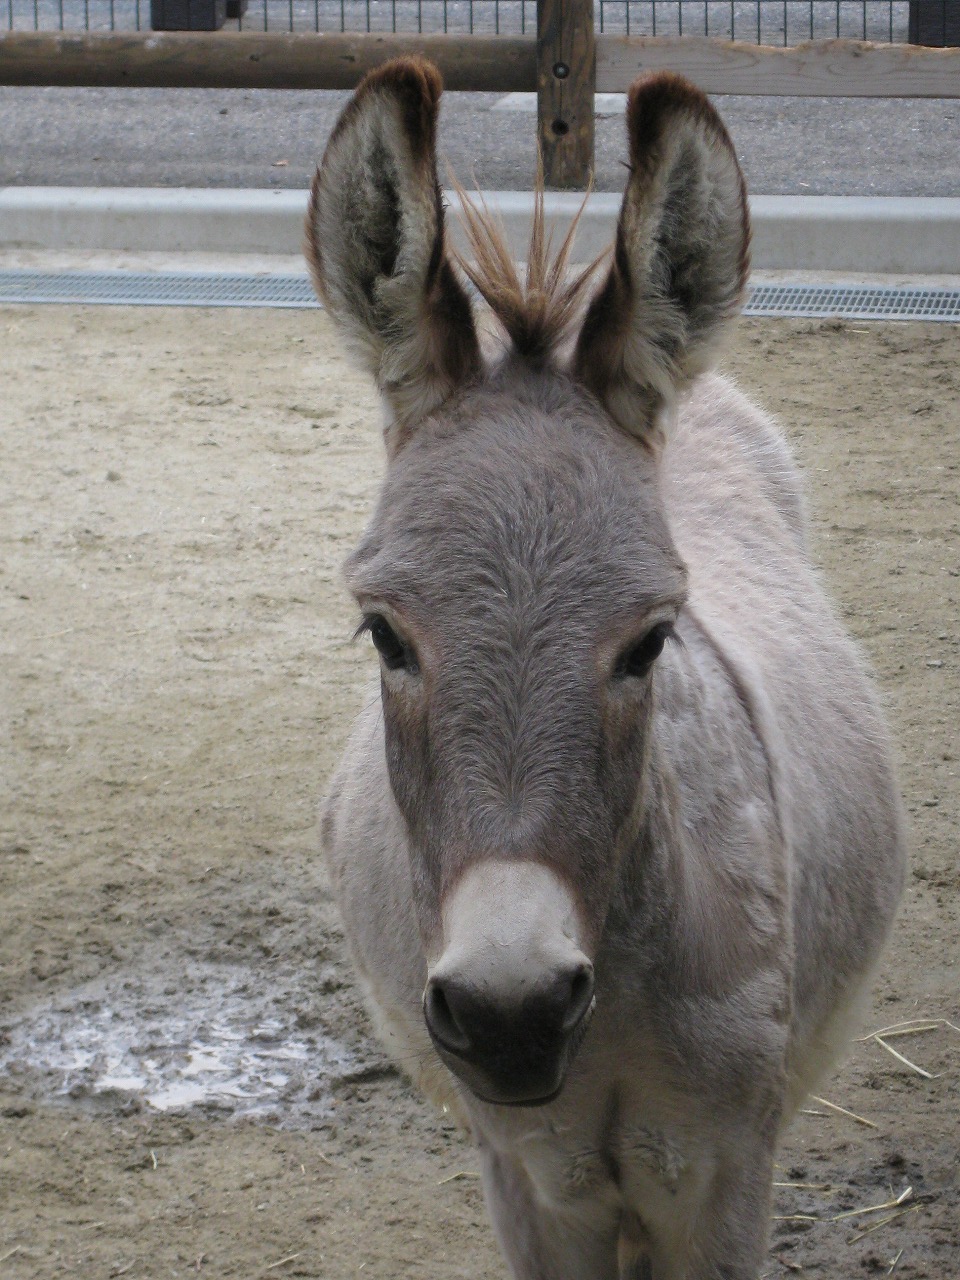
537	311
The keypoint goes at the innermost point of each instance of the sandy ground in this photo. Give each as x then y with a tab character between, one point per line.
187	1083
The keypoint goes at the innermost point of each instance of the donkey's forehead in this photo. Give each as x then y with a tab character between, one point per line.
545	492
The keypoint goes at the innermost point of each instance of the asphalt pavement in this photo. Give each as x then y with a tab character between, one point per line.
264	139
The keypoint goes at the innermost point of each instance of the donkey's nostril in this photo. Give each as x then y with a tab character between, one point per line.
441	1019
580	997
469	1022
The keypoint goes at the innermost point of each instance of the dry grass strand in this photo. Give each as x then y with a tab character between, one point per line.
852	1115
921	1071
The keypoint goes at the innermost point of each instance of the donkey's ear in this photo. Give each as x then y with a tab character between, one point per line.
375	244
680	260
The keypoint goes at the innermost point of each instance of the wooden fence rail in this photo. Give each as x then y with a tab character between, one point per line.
253	60
565	65
823	68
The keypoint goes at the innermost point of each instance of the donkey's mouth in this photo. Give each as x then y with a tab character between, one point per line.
521	1102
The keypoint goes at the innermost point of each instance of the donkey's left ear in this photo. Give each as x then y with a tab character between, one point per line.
680	262
375	244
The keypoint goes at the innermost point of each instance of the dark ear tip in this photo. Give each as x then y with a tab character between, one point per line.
652	99
409	77
666	85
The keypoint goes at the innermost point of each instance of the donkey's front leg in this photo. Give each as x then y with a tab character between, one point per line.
728	1236
541	1243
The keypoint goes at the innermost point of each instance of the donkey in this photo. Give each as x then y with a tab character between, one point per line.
619	844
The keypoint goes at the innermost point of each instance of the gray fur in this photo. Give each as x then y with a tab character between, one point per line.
728	826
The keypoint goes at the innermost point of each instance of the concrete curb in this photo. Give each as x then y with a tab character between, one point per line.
881	235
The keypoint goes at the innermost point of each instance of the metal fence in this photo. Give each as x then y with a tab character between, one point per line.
785	22
767	22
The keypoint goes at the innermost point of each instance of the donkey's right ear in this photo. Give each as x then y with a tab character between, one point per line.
376	250
680	260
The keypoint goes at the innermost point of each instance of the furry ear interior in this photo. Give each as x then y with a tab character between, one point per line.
680	261
375	244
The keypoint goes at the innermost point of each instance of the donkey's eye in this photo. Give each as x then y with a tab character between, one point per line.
639	658
395	654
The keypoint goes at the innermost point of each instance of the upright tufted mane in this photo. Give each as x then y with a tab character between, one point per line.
537	311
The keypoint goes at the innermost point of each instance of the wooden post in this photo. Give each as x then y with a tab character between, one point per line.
934	22
566	82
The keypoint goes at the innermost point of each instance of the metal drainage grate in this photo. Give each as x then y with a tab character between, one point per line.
853	302
160	289
209	289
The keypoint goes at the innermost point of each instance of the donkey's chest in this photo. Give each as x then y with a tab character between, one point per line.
634	1162
591	1152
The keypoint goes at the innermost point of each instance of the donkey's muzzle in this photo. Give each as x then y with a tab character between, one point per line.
511	1047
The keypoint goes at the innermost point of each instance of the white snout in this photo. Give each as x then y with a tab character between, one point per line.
508	1001
506	925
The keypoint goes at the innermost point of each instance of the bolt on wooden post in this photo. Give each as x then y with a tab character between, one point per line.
566	83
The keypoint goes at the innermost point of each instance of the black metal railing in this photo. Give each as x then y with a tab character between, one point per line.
768	22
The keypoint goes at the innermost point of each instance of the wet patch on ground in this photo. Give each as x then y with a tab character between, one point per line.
219	1046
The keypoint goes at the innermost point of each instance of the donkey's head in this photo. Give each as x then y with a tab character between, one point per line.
518	578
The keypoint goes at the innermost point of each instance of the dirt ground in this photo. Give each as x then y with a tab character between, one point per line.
187	1083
